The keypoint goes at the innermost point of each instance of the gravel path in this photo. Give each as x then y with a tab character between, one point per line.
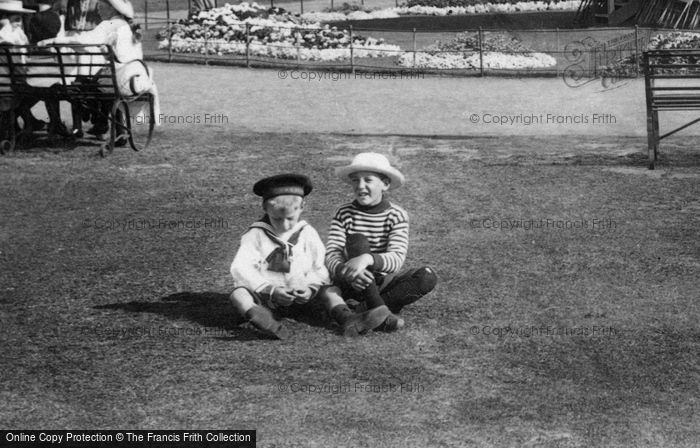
259	100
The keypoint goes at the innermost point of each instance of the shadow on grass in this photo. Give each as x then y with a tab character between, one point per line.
41	143
667	158
208	309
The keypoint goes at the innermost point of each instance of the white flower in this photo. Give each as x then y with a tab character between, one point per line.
492	60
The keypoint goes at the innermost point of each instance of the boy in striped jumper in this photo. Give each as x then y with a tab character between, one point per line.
367	246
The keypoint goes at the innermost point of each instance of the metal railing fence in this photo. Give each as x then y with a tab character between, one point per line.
583	53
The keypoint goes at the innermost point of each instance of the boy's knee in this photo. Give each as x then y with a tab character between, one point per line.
330	296
238	293
357	244
426	279
241	297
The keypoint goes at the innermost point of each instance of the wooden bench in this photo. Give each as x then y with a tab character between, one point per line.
81	75
7	119
672	82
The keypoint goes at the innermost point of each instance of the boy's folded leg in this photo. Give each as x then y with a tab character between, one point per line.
264	321
391	323
360	307
355	324
357	244
375	317
355	305
373	299
341	314
349	321
408	289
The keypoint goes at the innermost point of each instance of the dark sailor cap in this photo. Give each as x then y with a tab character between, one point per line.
283	184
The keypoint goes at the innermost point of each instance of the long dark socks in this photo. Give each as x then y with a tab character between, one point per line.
356	245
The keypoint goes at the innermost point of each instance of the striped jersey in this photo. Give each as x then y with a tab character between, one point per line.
386	227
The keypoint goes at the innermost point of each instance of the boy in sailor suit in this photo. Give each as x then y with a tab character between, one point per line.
280	261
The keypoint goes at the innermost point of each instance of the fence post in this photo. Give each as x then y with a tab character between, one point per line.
352	53
298	45
206	48
247	44
605	54
167	11
302	6
636	50
189	7
414	48
331	5
595	62
557	53
170	43
481	51
272	3
145	14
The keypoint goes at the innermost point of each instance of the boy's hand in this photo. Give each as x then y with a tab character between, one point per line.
362	281
355	266
302	296
282	297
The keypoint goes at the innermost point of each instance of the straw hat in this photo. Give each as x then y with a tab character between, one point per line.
123	7
14	6
371	161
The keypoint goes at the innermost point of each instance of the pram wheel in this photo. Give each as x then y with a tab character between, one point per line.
5	146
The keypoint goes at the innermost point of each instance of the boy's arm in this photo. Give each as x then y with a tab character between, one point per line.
335	248
245	267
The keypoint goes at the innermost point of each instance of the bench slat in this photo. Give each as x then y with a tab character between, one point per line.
674	66
676	76
53	69
674	88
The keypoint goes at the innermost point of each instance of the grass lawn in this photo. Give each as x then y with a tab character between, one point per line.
550	336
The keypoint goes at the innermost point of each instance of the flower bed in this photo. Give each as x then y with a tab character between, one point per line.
499	52
269	32
273	32
472	61
498	5
675	41
491	60
445	8
627	67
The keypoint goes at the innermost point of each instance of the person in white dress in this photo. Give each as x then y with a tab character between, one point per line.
118	30
12	33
